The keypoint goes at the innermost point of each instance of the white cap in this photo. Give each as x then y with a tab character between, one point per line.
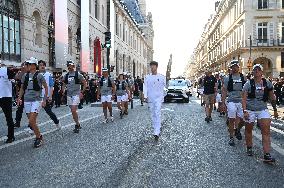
104	69
258	65
234	62
32	60
70	63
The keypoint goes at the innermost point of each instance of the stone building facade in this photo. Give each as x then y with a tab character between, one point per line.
250	31
28	30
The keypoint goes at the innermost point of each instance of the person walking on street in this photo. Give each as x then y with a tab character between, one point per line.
121	91
56	92
50	84
154	95
6	99
140	88
73	80
233	86
20	109
31	88
256	93
210	93
106	90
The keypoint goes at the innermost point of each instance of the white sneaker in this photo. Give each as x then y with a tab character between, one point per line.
112	119
58	126
105	121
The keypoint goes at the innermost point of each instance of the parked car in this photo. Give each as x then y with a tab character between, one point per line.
178	90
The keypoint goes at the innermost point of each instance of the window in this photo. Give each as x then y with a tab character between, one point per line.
283	4
10	40
70	41
262	33
90	6
262	4
97	10
79	2
116	24
282	32
37	29
103	14
282	59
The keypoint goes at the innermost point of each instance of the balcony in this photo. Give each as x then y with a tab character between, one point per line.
266	43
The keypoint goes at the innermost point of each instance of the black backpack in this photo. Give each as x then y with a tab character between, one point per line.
102	82
123	85
77	81
36	86
231	84
251	95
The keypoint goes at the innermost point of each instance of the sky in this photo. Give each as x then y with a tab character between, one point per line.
178	26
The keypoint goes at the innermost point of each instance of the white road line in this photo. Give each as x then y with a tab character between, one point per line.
277	130
17	133
45	133
274	146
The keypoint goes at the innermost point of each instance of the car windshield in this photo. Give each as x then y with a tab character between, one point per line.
177	83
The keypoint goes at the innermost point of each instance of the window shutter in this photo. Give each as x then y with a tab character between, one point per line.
278	4
254	34
271	33
279	30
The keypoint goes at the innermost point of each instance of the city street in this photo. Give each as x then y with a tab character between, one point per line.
190	152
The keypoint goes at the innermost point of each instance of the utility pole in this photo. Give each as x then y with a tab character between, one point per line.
169	69
108	31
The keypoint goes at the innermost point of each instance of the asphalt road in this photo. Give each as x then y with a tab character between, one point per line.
190	152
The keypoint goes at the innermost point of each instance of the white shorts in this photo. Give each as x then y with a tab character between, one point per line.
121	98
200	91
106	98
254	115
73	101
234	110
126	97
218	98
32	107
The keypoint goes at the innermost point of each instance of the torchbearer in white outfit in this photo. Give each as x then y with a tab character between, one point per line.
154	85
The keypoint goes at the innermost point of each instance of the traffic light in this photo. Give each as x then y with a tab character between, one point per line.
112	68
107	39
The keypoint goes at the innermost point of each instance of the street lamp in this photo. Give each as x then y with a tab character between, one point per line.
249	64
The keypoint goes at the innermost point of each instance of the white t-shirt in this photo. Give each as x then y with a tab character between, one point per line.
5	83
154	87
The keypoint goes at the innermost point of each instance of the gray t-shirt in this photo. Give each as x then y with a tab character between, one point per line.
105	90
235	95
119	90
30	94
257	104
73	89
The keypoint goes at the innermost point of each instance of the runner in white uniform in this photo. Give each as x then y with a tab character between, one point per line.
154	94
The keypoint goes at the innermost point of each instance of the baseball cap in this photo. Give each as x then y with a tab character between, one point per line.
32	60
70	63
234	62
258	66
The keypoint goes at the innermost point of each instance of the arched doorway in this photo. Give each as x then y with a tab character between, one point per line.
134	68
267	65
10	40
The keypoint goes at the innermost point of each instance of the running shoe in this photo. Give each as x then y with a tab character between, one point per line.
156	137
238	134
58	125
17	125
207	119
111	118
210	118
126	113
268	159
105	121
121	115
77	129
38	142
10	140
249	151
232	142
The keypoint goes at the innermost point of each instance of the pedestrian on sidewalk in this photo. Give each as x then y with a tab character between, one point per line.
256	93
154	95
50	84
6	99
210	93
121	91
20	108
106	90
72	81
31	88
233	86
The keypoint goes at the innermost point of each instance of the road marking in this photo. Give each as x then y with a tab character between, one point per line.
45	133
277	130
17	133
274	146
